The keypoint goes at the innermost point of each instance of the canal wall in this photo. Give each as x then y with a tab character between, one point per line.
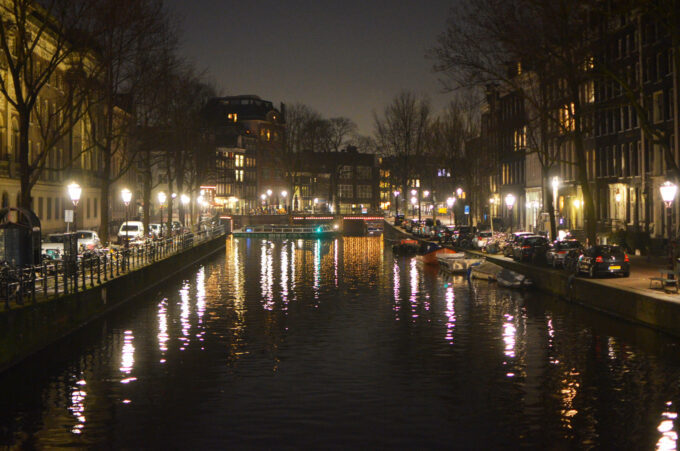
626	303
31	328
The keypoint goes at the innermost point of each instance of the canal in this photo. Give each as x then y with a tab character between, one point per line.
338	344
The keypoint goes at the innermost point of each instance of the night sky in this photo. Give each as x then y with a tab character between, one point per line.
342	58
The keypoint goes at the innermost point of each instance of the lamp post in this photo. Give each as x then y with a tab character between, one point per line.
510	202
396	202
74	192
668	191
449	203
185	201
161	201
413	205
492	201
284	194
316	201
555	186
126	194
459	192
263	198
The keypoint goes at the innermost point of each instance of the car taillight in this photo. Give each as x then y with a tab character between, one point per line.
598	259
526	247
625	257
561	252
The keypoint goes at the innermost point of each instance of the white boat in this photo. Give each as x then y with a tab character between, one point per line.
485	271
456	263
511	279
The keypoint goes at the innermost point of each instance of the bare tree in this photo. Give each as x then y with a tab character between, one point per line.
340	129
126	29
401	133
484	36
40	44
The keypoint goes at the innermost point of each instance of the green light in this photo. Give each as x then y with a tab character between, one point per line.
319	229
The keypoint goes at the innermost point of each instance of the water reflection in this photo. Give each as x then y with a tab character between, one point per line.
283	339
669	437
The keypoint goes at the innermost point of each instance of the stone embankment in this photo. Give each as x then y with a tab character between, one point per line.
33	327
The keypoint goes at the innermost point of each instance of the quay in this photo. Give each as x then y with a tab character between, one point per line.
58	310
628	299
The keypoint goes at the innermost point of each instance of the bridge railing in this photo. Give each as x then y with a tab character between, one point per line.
54	278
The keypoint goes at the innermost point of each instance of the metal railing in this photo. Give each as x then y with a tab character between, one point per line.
54	278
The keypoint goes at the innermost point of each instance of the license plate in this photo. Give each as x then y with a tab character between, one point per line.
611	268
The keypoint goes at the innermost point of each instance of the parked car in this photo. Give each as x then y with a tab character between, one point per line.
87	240
529	247
445	234
53	246
481	238
557	252
513	239
155	230
462	236
131	231
604	259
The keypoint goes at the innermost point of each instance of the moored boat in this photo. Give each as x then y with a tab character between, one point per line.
511	279
429	252
405	247
485	271
456	263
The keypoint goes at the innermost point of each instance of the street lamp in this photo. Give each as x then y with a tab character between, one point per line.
492	201
74	192
184	199
555	186
459	191
510	202
668	191
284	194
161	201
396	202
316	201
126	194
414	200
449	203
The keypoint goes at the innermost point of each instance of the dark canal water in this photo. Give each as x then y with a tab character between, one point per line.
337	344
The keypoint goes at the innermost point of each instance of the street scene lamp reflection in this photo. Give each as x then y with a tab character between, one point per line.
510	202
459	191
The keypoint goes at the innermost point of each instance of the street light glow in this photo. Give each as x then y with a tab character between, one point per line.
126	194
185	199
74	191
414	200
450	202
413	192
668	191
284	193
161	197
510	201
459	191
426	193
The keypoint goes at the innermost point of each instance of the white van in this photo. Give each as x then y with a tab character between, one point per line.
131	230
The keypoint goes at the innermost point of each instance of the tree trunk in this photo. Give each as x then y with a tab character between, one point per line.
24	163
550	205
104	212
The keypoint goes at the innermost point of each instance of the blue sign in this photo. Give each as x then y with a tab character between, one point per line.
467	209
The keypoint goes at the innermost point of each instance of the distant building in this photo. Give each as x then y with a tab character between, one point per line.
246	133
